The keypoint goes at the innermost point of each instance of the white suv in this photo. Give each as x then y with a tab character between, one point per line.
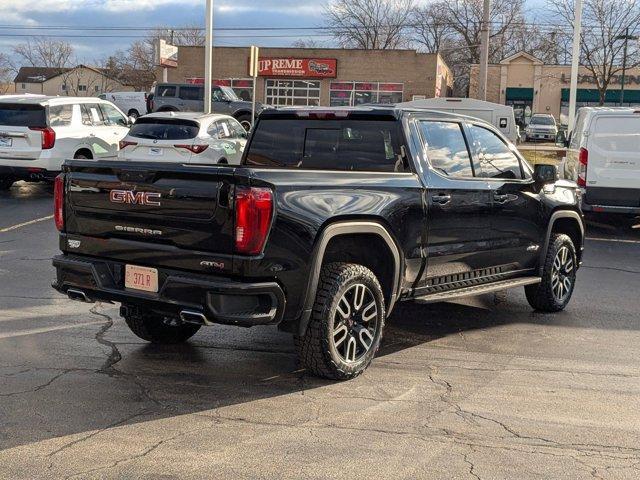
37	134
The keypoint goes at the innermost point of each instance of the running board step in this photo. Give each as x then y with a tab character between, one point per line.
479	289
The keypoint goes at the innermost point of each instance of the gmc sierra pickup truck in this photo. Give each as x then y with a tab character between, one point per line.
333	216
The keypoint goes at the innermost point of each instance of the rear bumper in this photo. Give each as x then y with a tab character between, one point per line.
611	200
219	300
32	173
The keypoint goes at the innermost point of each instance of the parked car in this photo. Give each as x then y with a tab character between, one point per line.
603	159
133	103
38	133
332	218
184	97
184	137
542	126
498	115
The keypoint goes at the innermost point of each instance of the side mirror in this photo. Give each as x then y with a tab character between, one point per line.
543	174
561	139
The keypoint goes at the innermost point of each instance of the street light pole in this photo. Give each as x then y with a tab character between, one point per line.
484	51
208	56
626	37
575	58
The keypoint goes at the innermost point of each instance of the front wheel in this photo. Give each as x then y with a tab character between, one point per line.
553	293
345	329
152	328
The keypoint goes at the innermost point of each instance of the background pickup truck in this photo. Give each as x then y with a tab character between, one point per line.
333	217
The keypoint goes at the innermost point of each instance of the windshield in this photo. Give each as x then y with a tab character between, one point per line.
15	115
542	121
164	129
230	94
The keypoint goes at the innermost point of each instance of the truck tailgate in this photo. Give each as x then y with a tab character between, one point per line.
184	207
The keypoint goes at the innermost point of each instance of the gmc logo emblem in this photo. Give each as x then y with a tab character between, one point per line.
135	198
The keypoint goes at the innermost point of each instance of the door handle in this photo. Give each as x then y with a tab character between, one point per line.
500	198
441	199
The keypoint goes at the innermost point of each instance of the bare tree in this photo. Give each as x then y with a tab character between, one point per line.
602	46
6	74
189	35
370	24
309	43
431	29
44	52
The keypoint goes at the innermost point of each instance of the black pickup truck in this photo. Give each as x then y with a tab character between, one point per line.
333	216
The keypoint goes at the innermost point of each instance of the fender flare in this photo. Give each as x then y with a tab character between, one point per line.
338	229
552	220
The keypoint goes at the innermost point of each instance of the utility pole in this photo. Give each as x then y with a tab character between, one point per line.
208	56
484	51
575	58
626	37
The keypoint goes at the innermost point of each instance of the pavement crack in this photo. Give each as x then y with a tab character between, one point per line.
115	356
37	388
471	465
615	269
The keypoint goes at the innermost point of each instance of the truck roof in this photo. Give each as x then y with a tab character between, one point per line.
391	111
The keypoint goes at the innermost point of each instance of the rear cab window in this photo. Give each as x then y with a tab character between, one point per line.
164	129
352	145
22	115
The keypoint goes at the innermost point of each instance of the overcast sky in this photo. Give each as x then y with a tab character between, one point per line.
149	13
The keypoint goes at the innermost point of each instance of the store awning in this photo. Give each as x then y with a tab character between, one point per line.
611	96
519	93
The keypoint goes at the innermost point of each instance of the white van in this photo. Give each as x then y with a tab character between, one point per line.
500	116
134	104
37	134
603	158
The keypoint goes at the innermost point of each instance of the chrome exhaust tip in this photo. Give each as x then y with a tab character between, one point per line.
78	296
192	316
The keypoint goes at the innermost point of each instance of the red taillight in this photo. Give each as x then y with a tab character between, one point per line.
583	162
58	202
254	207
194	148
48	136
125	144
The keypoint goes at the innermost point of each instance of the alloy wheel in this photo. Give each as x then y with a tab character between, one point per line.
355	323
562	274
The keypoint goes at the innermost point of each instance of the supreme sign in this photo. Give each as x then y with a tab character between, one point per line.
298	67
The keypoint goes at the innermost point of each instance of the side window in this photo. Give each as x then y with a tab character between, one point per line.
190	93
496	158
95	114
166	91
446	148
237	130
86	114
60	115
112	116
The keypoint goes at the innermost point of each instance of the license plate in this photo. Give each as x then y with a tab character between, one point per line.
6	141
141	278
155	151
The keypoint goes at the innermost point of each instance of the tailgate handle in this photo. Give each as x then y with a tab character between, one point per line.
134	176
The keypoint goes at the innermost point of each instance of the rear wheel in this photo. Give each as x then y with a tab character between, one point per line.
553	293
82	156
346	324
133	113
152	328
245	121
6	183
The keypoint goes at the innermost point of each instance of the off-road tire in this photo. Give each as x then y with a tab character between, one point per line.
315	348
541	296
152	328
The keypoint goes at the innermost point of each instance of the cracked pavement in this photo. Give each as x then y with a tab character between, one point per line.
470	390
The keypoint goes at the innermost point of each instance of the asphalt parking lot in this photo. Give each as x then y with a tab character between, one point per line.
481	389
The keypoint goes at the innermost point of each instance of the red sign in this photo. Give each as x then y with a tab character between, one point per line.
298	67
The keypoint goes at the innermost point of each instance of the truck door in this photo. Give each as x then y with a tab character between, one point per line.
517	225
458	205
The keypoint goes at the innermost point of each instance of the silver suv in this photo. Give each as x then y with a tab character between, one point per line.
185	97
542	126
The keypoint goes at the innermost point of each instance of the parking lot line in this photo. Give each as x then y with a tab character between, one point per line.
20	225
615	240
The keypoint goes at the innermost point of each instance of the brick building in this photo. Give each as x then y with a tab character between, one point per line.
320	76
531	86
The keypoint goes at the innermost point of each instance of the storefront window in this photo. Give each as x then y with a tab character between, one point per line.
358	93
293	92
